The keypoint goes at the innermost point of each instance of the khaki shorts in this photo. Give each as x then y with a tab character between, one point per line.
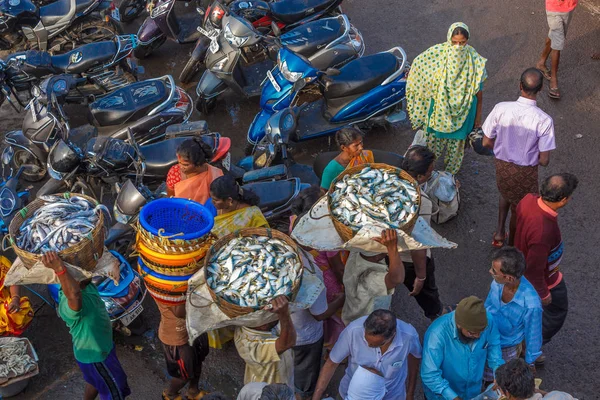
558	23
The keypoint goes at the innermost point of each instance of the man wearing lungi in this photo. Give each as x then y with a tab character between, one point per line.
522	136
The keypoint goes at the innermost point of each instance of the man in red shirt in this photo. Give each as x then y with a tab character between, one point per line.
538	237
558	14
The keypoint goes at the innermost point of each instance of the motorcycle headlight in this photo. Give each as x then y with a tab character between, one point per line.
119	216
287	74
264	153
237	41
219	65
54	174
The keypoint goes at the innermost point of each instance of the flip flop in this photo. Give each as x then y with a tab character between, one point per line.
200	395
596	56
165	396
498	243
546	72
554	93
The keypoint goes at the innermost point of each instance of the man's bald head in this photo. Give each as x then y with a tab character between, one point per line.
532	81
558	187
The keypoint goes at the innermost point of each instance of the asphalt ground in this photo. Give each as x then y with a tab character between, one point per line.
510	34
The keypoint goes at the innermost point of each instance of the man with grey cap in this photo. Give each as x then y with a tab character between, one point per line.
455	351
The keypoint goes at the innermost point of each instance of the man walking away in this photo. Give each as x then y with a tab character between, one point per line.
515	306
456	348
522	136
538	237
82	309
558	14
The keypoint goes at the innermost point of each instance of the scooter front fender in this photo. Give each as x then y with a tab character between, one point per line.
256	131
17	139
149	31
210	85
201	48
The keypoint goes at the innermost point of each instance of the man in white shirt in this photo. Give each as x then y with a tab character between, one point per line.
382	342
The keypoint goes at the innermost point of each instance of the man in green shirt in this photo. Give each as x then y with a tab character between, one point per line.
82	309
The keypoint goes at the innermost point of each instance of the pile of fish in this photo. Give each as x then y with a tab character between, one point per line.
374	196
250	271
14	359
59	224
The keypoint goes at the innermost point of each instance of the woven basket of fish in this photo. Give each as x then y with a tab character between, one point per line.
373	193
246	269
175	226
70	224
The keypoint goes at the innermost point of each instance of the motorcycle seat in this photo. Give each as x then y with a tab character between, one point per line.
360	75
129	103
307	39
272	194
289	12
85	58
53	12
161	156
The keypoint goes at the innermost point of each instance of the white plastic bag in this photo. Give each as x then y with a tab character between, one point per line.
443	193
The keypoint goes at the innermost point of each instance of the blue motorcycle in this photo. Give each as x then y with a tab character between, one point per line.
365	92
10	199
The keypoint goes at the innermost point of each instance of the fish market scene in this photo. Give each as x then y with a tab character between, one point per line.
299	200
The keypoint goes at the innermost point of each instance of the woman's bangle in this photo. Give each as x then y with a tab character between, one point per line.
64	270
421	279
16	296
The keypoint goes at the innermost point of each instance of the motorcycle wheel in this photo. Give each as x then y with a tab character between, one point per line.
205	106
189	71
143	51
34	171
131	9
92	29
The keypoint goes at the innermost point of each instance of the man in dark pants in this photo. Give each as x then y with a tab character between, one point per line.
538	237
419	267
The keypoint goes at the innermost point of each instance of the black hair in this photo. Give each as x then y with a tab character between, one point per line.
512	261
417	160
532	81
459	30
381	323
558	187
347	136
215	396
516	378
277	391
305	200
225	187
195	151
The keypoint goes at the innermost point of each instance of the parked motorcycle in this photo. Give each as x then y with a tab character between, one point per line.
147	108
123	302
240	60
366	91
83	162
57	27
106	65
11	200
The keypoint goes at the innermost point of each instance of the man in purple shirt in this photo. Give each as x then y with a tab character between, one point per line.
522	136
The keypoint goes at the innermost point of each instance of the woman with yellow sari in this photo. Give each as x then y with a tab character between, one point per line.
350	142
15	311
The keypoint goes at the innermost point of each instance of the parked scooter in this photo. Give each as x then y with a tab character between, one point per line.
85	163
11	200
366	91
123	302
57	27
147	108
241	60
106	66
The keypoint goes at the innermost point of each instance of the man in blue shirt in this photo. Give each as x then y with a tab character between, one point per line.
515	307
455	351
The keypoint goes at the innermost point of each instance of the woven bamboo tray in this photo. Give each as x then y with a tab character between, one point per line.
347	233
234	310
84	254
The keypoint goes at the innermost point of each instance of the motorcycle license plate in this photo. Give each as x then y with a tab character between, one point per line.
227	162
115	14
214	46
273	81
212	34
128	319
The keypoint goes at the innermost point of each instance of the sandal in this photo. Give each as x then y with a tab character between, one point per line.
554	93
200	395
165	396
546	72
498	243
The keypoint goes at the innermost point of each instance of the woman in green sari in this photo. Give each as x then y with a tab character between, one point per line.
444	93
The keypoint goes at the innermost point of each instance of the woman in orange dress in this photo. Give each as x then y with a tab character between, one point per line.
192	176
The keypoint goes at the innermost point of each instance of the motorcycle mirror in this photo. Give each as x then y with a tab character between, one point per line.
7	155
299	85
332	72
275	29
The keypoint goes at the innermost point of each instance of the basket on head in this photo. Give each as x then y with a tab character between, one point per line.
176	219
234	310
84	254
347	233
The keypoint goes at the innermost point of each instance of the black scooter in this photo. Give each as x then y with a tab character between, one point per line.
57	27
147	108
106	66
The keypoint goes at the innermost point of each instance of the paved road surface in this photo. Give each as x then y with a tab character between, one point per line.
510	35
